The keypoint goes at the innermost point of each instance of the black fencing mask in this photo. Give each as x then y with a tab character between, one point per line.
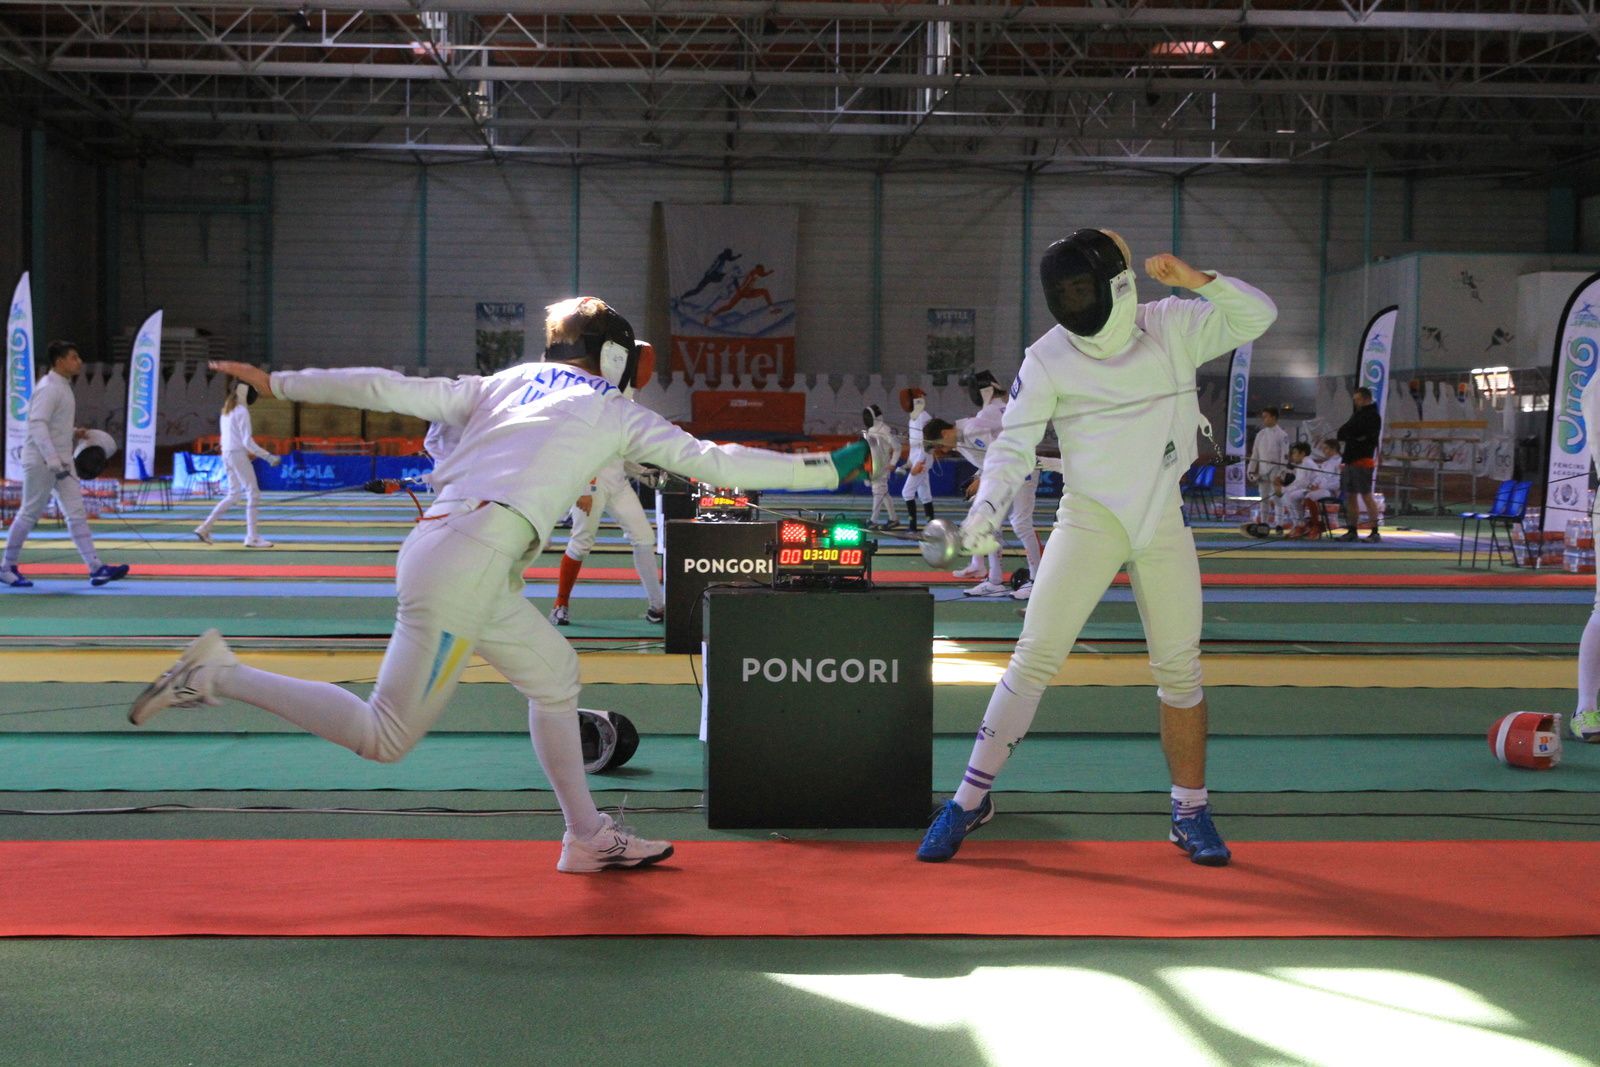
1077	273
609	740
977	383
870	416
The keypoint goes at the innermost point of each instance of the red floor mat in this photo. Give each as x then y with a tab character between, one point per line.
995	888
1523	580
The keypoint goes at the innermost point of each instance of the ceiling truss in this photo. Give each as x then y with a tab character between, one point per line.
1446	86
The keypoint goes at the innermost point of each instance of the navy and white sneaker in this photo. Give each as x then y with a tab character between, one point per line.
108	573
610	847
13	577
950	827
560	616
1199	838
653	614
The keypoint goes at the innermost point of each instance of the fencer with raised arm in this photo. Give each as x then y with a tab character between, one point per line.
1117	380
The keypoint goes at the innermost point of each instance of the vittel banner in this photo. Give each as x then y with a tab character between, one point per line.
1566	484
1238	412
144	386
1377	345
19	375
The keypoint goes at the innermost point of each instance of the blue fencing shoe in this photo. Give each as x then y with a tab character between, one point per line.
950	827
1199	838
108	573
13	577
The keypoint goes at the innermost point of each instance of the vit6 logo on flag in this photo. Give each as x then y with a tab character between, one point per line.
732	280
1377	344
19	375
144	387
1566	486
1238	399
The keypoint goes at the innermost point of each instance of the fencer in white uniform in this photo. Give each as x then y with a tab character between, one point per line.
47	470
1117	380
1269	457
1585	718
610	491
1315	478
918	488
885	450
532	437
440	440
238	445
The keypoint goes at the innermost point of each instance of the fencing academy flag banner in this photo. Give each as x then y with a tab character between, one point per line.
19	376
1238	399
731	278
144	386
1377	344
1566	478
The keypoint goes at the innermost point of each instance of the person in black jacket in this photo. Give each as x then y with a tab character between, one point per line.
1359	435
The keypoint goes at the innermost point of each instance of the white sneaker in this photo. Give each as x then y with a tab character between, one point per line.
188	682
1023	591
613	845
204	535
986	588
972	570
257	542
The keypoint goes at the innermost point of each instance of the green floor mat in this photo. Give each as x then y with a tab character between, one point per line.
360	1002
1044	763
101	707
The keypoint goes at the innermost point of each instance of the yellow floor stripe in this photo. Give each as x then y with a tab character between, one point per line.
951	667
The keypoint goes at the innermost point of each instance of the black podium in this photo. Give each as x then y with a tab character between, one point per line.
819	708
702	554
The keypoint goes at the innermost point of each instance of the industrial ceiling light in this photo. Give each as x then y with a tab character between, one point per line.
301	19
1186	48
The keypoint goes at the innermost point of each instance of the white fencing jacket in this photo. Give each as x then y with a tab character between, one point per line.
1126	423
51	411
236	433
533	435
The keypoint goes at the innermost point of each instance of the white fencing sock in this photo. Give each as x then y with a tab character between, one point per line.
559	746
320	707
644	561
997	573
1589	664
1005	723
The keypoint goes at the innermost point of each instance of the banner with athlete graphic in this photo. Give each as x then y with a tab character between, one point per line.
1566	477
144	389
1377	346
19	375
731	300
1238	413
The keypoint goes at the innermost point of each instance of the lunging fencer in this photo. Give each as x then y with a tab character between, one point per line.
238	445
531	438
48	470
918	489
884	450
610	491
1117	380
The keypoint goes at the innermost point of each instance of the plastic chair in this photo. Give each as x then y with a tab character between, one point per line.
1515	509
1199	484
1500	507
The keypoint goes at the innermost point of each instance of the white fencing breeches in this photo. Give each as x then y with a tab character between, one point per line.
1081	558
917	487
629	513
459	581
1022	522
38	483
241	482
1294	503
880	499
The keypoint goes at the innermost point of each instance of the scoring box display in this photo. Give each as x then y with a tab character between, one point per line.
819	707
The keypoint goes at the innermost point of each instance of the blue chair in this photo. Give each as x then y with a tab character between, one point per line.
1200	486
1510	501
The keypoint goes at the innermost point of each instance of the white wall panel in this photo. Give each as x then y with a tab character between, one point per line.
951	241
345	264
495	234
1267	233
